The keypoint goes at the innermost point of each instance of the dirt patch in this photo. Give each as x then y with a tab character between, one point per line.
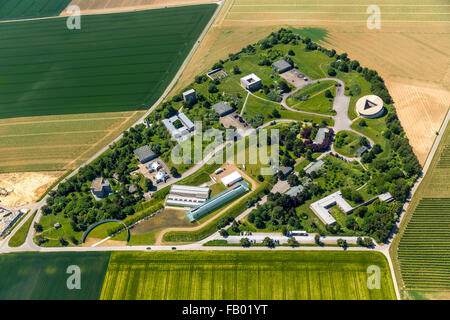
108	6
26	187
167	218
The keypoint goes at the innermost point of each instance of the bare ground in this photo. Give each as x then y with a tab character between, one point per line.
26	187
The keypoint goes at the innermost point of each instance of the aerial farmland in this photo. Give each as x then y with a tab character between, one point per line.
232	150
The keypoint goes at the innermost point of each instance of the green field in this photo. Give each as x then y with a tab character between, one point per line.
421	249
21	9
20	236
43	275
116	62
346	143
244	275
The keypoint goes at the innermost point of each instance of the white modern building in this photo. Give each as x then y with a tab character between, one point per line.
370	106
320	207
231	179
154	166
187	196
161	177
251	82
185	126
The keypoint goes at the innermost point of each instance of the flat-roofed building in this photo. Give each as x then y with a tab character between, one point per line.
282	66
321	134
222	108
186	122
386	197
217	201
187	196
316	166
144	154
320	207
231	179
251	82
189	95
361	151
100	188
295	191
184	128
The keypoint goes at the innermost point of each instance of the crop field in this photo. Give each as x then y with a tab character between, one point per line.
14	9
244	275
64	94
410	50
423	261
423	252
41	276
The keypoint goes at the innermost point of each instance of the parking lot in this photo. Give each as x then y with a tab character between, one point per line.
296	78
236	121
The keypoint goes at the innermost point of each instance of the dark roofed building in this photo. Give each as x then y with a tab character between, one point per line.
282	65
285	171
100	188
144	154
361	151
222	108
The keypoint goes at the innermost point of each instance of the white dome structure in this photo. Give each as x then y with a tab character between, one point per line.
370	106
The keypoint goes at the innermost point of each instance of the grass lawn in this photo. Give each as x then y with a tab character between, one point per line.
244	275
101	231
310	91
43	276
317	103
264	107
20	236
217	188
348	142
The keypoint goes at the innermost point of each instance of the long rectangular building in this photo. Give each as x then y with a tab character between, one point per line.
217	201
187	196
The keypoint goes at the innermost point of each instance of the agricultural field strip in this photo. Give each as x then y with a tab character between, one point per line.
195	275
423	251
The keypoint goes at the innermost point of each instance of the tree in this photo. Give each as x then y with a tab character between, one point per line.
245	242
38	227
293	181
276	113
363	123
309	156
212	88
284	86
260	178
331	72
174	172
148	185
328	94
235	227
293	242
317	239
63	241
268	242
368	242
223	233
236	70
291	52
342	243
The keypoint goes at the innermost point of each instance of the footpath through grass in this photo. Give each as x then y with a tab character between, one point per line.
244	275
43	276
